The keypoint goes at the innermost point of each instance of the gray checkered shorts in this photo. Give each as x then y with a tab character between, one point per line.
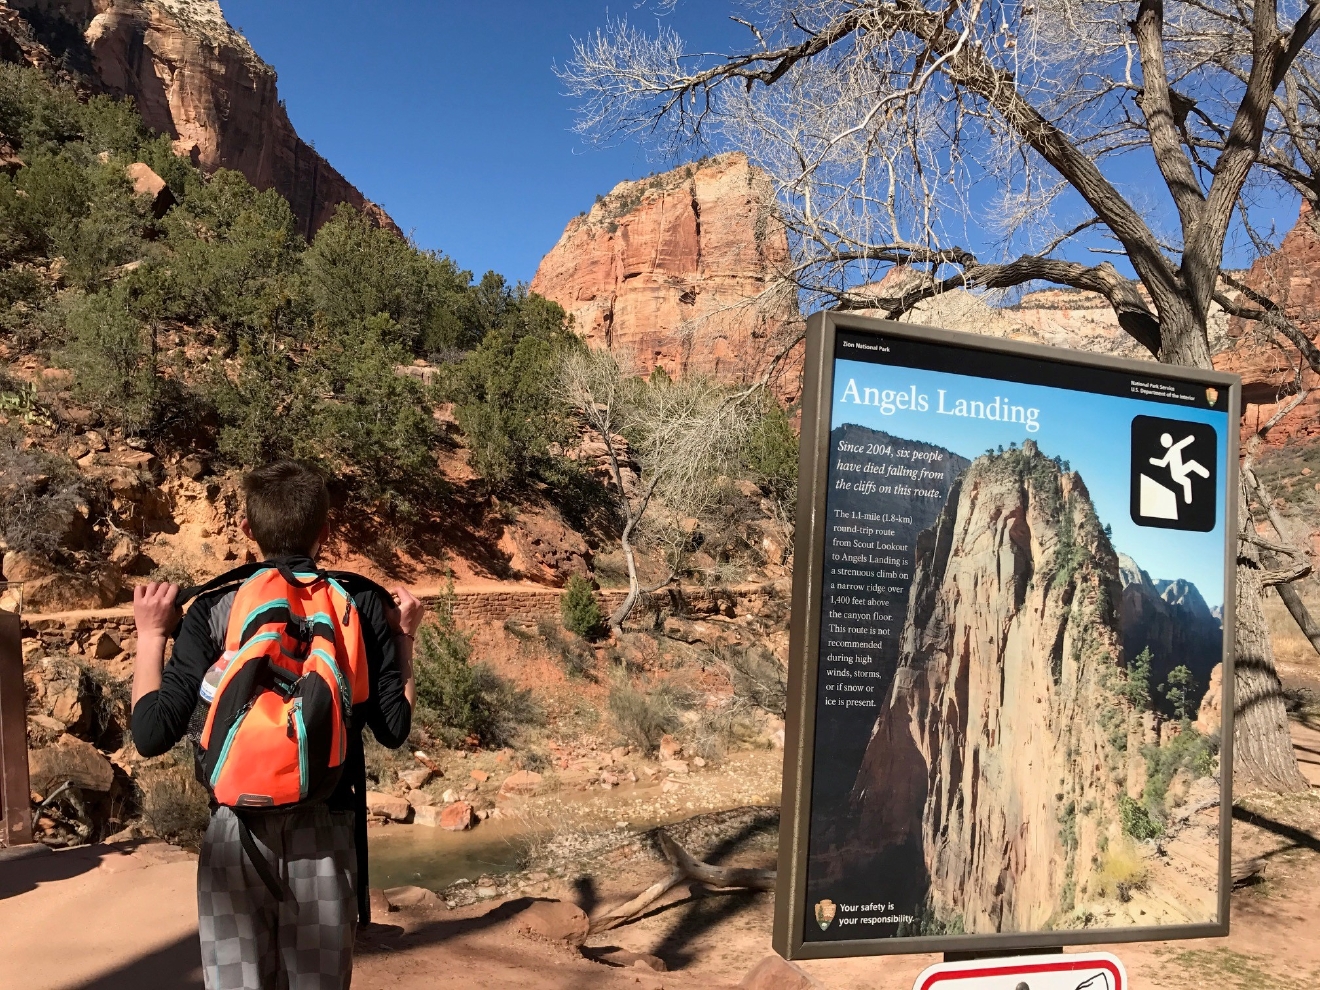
250	941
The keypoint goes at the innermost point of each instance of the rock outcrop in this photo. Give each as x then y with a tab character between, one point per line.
992	743
1291	277
682	271
195	78
1173	620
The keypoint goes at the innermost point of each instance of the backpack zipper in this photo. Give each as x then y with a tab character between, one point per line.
301	728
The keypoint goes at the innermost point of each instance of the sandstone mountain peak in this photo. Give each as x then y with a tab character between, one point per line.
194	77
683	270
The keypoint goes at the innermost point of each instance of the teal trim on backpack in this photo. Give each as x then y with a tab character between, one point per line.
302	749
224	750
345	694
269	603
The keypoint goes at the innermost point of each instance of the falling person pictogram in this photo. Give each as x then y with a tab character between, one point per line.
1178	470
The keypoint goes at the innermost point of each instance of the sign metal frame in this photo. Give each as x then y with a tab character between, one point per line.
804	646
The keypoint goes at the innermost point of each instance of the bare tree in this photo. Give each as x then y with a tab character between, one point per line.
683	434
891	127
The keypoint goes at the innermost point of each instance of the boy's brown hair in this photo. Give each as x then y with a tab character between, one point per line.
287	505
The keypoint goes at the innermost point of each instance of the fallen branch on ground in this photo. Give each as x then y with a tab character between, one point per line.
685	867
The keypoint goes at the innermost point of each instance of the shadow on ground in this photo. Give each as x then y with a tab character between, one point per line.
176	966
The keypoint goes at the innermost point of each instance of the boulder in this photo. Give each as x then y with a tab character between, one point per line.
415	779
420	799
388	806
411	897
194	467
670	748
675	766
380	904
105	646
480	776
558	921
428	815
449	795
26	566
67	592
614	956
147	183
59	689
522	783
457	817
69	759
776	973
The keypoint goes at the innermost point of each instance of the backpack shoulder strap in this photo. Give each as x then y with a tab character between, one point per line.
230	578
354	584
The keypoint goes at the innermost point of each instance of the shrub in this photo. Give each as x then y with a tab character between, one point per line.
575	656
1190	750
770	453
112	359
504	400
175	806
356	271
1137	821
580	611
39	494
1122	870
1136	689
643	717
458	700
375	428
757	676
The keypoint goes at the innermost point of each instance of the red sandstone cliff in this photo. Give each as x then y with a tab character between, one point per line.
1291	277
680	269
197	79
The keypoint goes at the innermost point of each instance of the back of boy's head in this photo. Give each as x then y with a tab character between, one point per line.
287	504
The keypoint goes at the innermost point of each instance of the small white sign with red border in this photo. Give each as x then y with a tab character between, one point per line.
1073	971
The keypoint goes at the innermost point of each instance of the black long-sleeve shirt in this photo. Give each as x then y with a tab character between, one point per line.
161	718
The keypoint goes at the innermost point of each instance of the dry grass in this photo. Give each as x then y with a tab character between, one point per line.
1122	870
174	806
1292	651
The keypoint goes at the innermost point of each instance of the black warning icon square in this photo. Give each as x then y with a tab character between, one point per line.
1174	474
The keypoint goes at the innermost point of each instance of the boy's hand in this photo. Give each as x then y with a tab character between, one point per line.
407	616
154	611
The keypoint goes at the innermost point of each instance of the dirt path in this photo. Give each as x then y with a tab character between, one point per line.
122	918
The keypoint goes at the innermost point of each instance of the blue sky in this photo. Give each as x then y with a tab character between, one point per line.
450	116
1092	432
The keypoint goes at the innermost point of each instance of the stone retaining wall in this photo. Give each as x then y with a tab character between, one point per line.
57	631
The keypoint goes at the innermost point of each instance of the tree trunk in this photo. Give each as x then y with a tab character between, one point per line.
1263	757
634	585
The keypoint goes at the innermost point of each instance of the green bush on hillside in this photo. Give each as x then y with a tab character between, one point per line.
504	398
112	358
458	700
579	609
304	338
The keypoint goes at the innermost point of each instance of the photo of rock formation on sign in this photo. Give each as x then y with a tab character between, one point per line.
1009	777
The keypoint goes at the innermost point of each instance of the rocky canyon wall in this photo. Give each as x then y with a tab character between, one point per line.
682	271
195	78
995	734
1290	277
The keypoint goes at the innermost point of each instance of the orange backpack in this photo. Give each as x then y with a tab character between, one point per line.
276	734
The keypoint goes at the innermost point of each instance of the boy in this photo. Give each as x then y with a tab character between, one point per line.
277	889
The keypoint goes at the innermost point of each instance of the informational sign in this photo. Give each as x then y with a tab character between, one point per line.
1079	971
1011	673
